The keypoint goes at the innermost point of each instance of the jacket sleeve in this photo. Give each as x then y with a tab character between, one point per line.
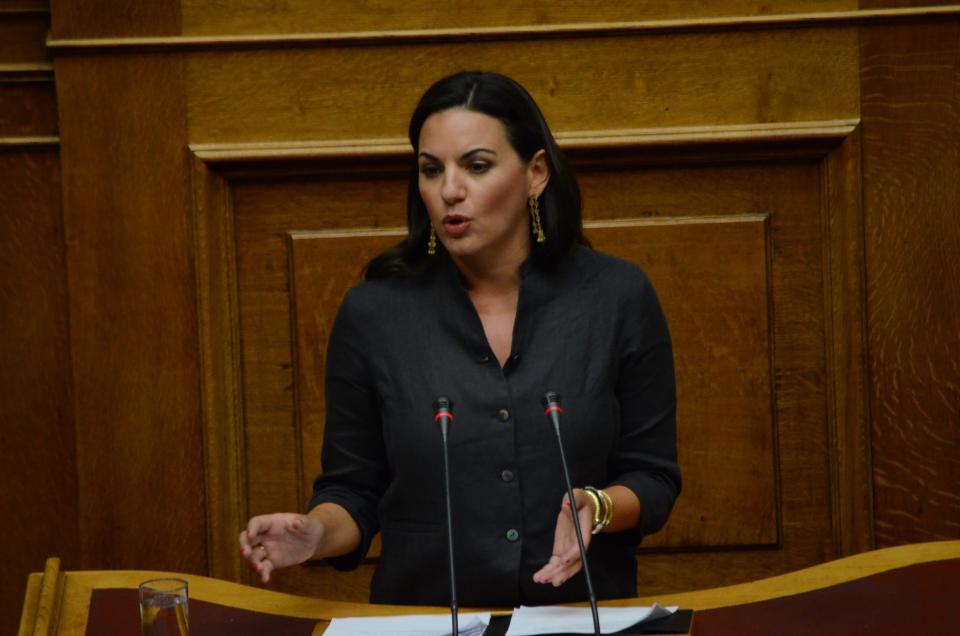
646	460
354	461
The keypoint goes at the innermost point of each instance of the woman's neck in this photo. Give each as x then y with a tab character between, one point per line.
490	279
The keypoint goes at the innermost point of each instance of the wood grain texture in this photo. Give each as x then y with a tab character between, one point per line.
221	392
361	93
25	6
265	16
133	312
848	416
789	195
105	18
76	589
38	450
23	38
643	28
324	203
31	603
323	266
44	597
27	109
911	185
711	275
889	4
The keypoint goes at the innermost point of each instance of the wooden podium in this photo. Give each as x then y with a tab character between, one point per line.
909	589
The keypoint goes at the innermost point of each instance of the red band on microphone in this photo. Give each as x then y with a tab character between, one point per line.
553	407
447	414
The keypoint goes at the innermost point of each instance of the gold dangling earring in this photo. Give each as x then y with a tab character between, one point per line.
432	243
534	204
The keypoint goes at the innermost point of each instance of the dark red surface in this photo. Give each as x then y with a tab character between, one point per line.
921	599
116	612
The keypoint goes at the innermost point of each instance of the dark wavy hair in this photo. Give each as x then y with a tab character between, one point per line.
500	97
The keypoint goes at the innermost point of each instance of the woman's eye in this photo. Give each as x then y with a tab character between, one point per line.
478	167
429	170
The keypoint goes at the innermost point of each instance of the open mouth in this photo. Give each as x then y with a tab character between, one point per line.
454	220
455	225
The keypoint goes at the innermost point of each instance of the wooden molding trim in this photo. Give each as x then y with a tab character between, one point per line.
531	32
831	132
221	385
229	153
26	73
848	416
41	609
78	586
834	143
28	11
673	220
28	143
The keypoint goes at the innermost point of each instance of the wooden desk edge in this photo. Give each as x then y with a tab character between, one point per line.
812	578
58	602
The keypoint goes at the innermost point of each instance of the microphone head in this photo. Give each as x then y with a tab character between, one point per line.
443	404
550	399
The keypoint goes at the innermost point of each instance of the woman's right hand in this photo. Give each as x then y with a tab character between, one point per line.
280	540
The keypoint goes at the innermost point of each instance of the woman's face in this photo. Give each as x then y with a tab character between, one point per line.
475	186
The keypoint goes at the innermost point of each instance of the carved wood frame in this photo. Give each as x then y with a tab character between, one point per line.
836	144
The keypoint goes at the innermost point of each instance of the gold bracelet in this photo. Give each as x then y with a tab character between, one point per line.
597	508
607	506
602	517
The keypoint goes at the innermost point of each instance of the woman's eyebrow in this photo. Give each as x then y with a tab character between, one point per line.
466	155
474	151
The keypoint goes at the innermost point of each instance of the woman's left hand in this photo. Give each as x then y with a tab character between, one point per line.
565	560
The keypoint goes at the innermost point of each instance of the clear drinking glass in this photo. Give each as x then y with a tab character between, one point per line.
163	608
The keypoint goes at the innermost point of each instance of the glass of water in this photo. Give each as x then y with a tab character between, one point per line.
163	608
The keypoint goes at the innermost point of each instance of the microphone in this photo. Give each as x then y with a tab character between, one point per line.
551	402
443	413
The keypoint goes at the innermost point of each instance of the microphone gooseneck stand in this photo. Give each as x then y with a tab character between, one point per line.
551	402
443	409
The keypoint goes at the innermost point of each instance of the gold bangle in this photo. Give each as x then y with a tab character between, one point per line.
597	508
607	506
600	518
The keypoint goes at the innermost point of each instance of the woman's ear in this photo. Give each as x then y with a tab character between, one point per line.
538	172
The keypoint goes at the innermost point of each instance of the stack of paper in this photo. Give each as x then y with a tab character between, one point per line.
526	621
415	625
530	621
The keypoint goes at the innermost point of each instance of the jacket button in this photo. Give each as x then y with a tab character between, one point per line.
512	535
506	475
504	415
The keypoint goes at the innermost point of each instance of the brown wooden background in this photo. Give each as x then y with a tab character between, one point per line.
187	188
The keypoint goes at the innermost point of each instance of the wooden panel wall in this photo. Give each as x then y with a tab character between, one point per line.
911	179
39	497
319	100
133	312
304	16
209	155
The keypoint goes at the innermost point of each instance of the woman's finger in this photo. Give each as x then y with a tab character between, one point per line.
266	567
548	571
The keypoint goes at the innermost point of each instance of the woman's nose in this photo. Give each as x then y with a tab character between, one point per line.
452	188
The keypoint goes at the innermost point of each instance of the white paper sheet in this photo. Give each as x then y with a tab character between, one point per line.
530	621
471	624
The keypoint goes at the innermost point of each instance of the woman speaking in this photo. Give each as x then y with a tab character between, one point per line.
492	299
